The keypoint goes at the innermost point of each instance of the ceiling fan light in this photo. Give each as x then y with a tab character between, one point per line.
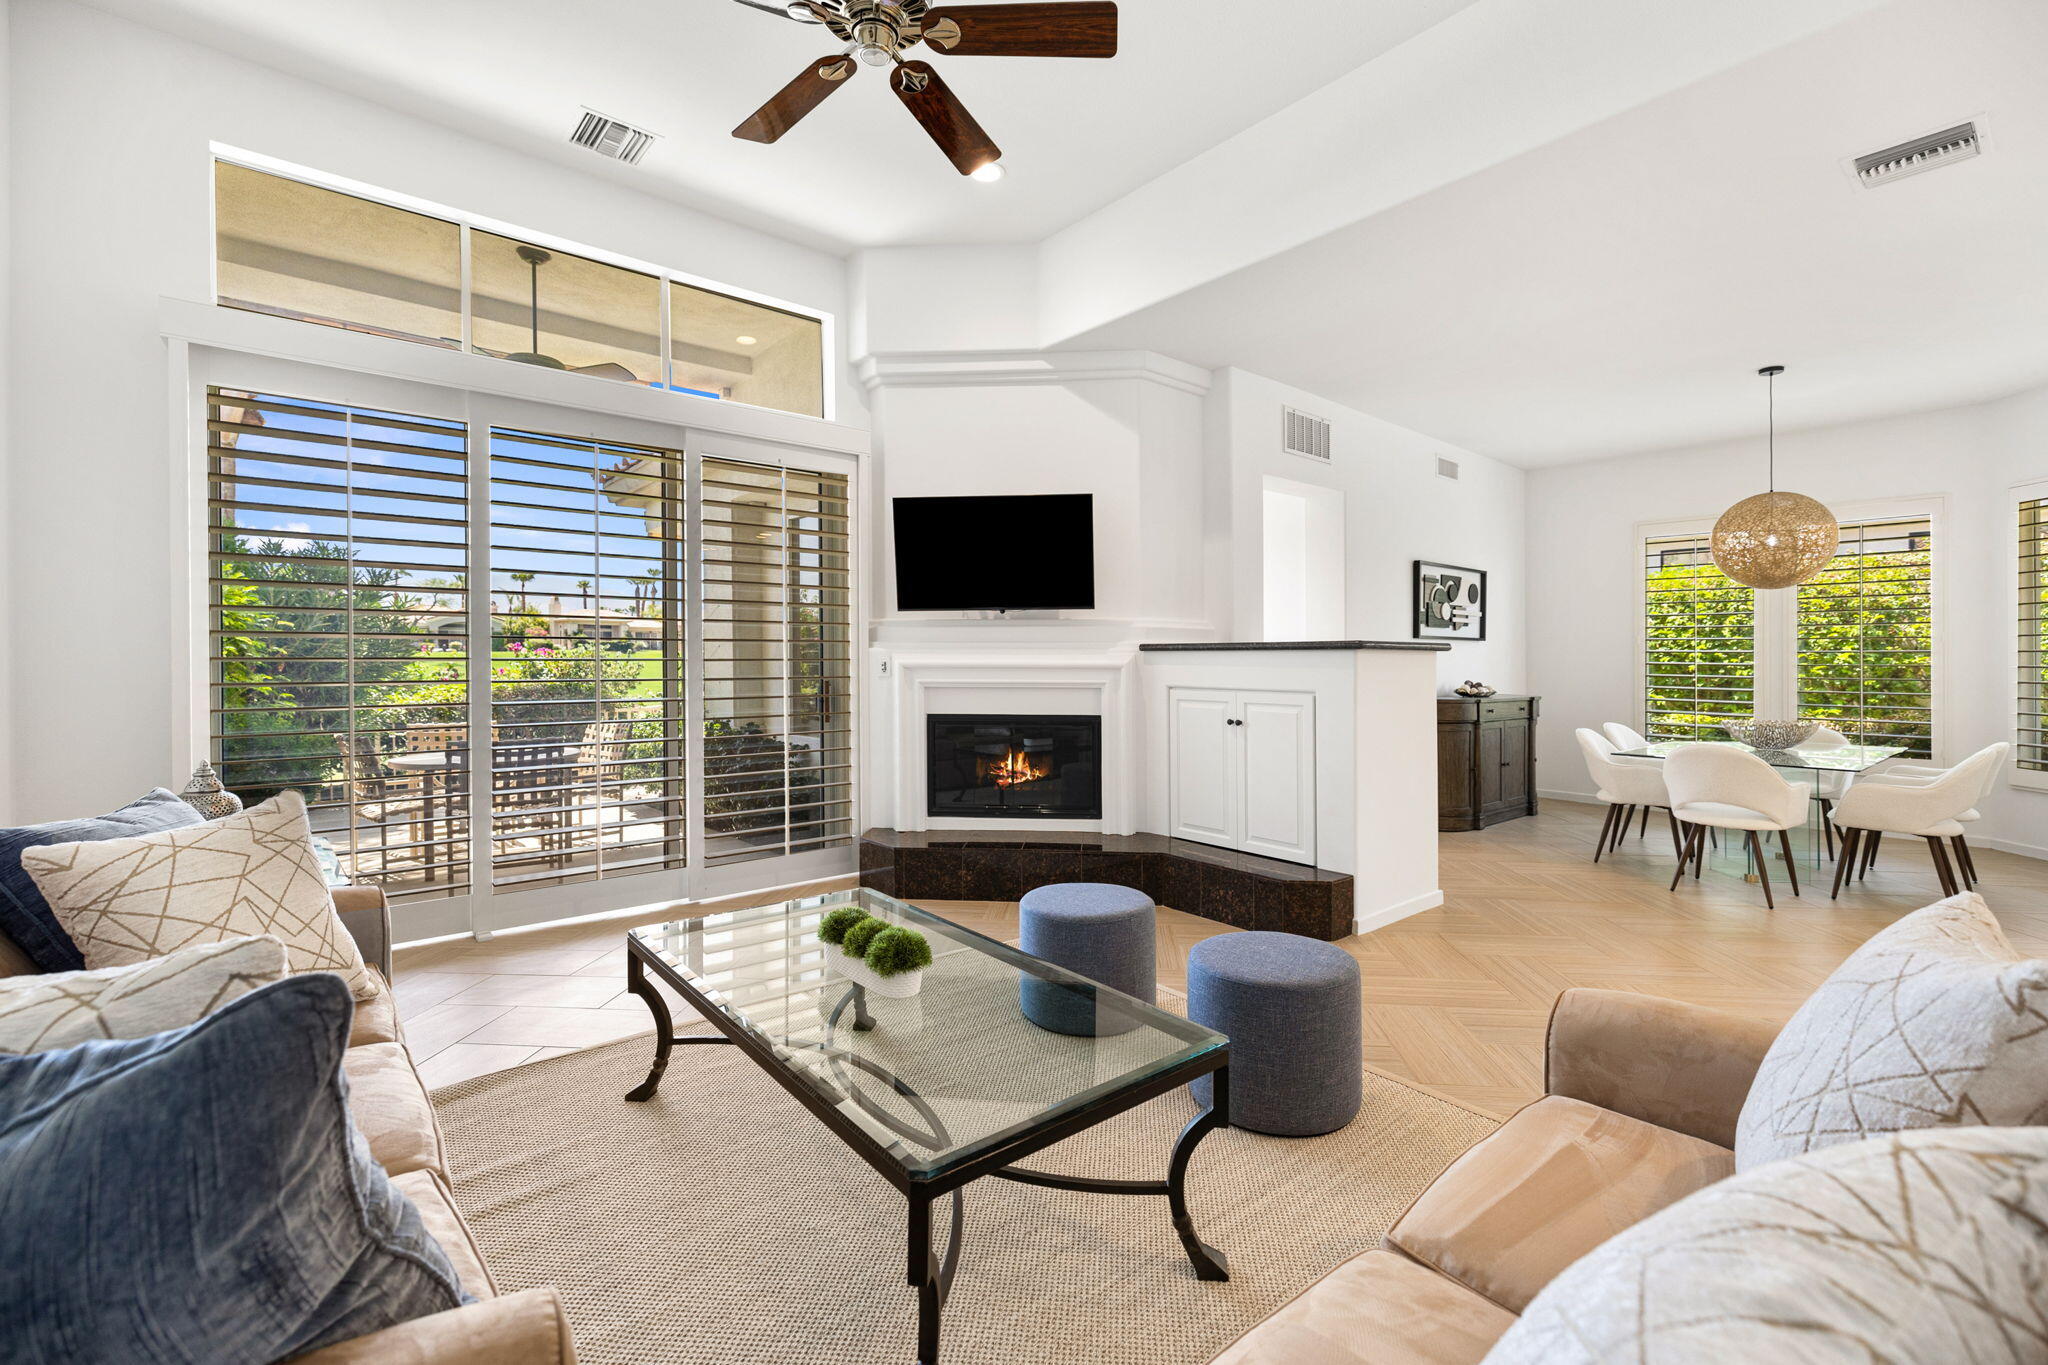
989	172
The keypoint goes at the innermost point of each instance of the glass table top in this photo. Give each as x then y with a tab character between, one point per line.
943	1075
1850	758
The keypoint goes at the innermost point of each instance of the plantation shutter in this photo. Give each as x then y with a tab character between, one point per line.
338	555
588	766
1699	660
2033	620
776	599
1866	636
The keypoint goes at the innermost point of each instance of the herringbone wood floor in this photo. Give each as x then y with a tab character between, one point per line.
1456	999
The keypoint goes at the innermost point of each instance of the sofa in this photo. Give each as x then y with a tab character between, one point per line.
1641	1098
390	1107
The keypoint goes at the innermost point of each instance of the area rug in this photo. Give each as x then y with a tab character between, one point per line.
721	1224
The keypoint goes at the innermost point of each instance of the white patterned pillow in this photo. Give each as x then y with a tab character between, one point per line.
1921	1248
41	1013
124	900
1936	1021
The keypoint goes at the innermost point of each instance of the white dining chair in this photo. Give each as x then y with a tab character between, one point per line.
1622	737
1717	786
1827	786
1993	758
1625	787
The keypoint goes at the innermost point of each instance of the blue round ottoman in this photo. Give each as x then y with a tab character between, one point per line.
1290	1007
1103	932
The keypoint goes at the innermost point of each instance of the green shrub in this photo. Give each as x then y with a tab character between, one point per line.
894	951
832	928
857	938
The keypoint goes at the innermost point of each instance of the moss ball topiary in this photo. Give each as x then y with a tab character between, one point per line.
832	928
860	935
895	951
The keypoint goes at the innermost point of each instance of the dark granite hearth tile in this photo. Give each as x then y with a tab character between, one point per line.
874	856
931	874
1177	883
986	873
1135	870
881	879
1037	867
1240	899
1316	909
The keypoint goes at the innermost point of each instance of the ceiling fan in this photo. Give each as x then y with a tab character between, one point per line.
876	33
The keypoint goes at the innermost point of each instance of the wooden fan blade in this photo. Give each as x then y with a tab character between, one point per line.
944	117
830	18
1086	28
796	99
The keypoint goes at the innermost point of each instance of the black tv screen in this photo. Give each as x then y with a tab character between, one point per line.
1030	553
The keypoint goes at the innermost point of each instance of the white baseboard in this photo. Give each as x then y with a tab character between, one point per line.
2014	846
1400	910
1582	798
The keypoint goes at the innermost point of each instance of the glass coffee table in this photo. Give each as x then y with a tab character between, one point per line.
940	1089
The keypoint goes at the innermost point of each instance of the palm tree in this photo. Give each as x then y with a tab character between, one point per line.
522	579
583	586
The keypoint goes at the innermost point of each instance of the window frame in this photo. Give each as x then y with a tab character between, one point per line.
466	222
2017	497
1776	641
480	913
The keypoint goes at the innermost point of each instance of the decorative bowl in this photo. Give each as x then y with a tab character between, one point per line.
1771	734
1474	689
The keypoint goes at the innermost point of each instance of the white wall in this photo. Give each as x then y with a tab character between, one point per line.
1585	567
1396	511
111	186
7	542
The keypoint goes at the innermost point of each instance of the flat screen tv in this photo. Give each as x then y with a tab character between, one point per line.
1031	553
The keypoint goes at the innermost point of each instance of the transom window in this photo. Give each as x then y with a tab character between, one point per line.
2033	624
314	254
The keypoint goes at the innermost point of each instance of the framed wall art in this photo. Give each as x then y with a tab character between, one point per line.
1450	602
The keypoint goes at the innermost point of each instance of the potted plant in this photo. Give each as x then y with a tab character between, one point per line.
887	959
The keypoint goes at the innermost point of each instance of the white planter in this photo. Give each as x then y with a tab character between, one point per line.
901	986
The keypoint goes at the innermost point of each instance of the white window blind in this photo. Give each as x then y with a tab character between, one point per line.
1699	662
588	691
338	562
2033	623
1866	636
778	687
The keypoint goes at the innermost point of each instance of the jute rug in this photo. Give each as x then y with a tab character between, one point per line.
721	1224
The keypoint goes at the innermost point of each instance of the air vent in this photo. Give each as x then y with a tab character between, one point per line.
609	137
1304	434
1446	469
1959	143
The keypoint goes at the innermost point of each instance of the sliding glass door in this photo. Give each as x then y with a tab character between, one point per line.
524	663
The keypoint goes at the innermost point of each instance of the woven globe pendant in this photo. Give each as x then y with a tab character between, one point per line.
1775	540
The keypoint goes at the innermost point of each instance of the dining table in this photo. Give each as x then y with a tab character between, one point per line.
523	774
1815	765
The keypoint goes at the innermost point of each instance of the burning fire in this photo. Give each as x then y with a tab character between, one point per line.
1016	768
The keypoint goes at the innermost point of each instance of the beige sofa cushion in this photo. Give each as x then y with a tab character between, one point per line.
437	1210
123	900
44	1011
1377	1309
527	1328
1552	1183
1935	1021
390	1106
376	1015
1923	1248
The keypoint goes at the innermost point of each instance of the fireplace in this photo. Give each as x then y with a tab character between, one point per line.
1014	767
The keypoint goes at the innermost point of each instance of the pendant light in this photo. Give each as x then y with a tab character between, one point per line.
535	258
1775	540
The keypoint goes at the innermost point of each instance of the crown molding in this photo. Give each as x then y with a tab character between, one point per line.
984	369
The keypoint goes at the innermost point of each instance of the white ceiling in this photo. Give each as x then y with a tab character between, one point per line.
859	171
1617	289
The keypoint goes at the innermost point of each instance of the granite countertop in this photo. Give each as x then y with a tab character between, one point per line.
1433	646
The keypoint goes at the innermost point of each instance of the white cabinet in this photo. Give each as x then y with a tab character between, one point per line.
1242	770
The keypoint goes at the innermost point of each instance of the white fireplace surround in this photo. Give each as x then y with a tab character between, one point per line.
1019	683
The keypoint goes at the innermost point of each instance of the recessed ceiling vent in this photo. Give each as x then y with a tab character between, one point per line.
1446	468
1946	147
1305	434
609	137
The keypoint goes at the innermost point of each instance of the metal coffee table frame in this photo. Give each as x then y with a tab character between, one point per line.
931	1274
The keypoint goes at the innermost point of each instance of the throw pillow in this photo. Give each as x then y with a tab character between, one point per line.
25	916
1921	1248
1935	1021
123	900
62	1009
202	1196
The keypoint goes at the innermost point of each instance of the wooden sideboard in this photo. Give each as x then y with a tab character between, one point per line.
1485	760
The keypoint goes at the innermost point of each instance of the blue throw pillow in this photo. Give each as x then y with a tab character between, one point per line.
201	1197
25	916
